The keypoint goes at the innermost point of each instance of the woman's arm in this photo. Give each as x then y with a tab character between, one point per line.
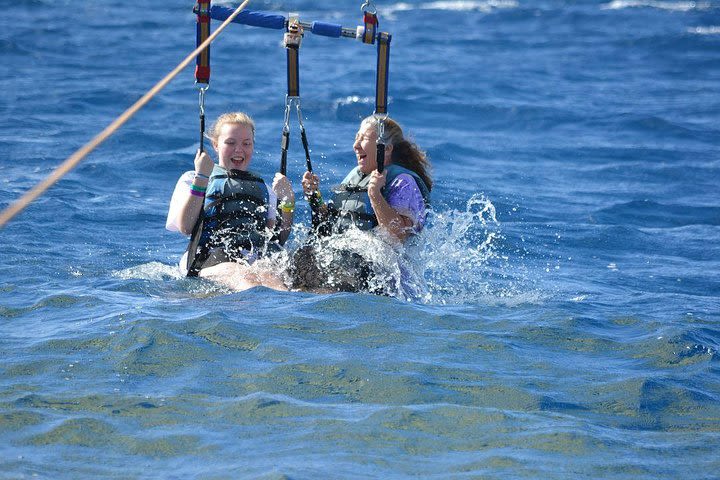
399	226
286	196
191	205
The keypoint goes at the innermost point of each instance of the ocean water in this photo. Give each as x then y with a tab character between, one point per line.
568	324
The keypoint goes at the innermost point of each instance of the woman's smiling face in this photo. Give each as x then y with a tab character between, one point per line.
235	146
365	147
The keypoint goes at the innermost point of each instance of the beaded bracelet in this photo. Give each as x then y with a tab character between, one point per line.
198	174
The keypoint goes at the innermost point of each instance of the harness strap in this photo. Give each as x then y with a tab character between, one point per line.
291	40
223	218
293	71
196	255
220	202
370	26
303	137
284	142
383	66
202	66
381	94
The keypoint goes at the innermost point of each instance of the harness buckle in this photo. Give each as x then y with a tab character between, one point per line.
294	34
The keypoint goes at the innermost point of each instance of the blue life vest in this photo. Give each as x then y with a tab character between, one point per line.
350	203
233	220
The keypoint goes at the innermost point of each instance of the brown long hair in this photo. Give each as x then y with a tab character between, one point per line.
404	153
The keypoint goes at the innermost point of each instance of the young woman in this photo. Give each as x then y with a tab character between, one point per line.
230	213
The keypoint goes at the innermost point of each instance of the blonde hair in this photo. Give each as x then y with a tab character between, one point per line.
404	153
240	118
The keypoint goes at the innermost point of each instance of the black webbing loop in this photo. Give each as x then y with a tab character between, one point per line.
284	146
380	157
308	163
303	137
285	140
380	151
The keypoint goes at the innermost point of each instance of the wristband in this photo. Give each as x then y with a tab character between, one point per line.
196	193
198	188
287	207
198	174
315	199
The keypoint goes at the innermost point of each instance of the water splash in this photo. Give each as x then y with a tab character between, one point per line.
457	253
150	271
457	259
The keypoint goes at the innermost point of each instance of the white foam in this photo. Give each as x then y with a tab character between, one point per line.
486	6
672	6
149	271
714	30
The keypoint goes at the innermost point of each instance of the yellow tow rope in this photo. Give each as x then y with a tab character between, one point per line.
80	154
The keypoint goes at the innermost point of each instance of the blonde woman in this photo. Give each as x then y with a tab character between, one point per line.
230	213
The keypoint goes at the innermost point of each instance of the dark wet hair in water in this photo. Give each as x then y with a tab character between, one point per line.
404	153
345	271
304	271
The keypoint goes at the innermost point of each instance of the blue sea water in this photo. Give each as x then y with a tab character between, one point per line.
569	325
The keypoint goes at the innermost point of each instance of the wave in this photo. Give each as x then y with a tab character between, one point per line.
486	6
713	30
653	214
672	6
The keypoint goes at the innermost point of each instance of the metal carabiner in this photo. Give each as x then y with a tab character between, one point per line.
201	99
380	119
369	4
299	113
288	105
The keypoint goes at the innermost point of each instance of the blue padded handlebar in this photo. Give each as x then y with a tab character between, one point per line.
248	17
272	20
326	29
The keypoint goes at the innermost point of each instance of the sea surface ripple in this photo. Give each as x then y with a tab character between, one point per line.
568	324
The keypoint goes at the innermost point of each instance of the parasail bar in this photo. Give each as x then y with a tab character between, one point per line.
279	22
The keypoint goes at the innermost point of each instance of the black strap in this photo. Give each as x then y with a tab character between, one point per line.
308	163
202	130
284	149
380	157
196	256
